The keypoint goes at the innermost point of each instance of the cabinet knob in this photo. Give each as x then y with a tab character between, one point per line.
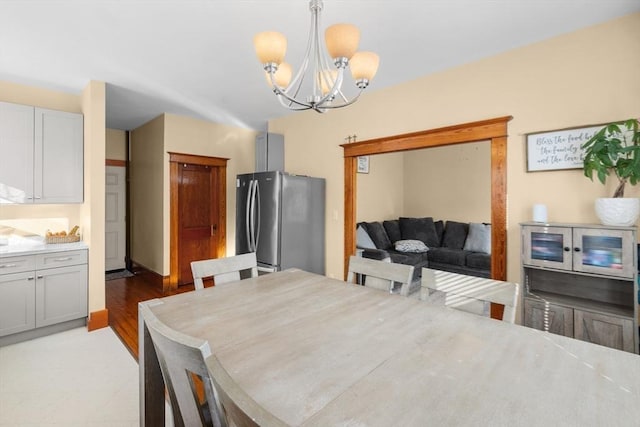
30	278
567	249
576	249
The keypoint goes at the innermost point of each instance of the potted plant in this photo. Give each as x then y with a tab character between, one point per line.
615	149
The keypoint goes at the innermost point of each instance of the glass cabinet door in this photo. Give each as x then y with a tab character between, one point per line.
608	252
548	246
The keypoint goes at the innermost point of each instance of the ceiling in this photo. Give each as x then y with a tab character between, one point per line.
196	57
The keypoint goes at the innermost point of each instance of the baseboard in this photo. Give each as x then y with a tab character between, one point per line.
98	319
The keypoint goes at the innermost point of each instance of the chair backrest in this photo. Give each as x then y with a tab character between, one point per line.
182	362
240	408
468	293
386	272
223	270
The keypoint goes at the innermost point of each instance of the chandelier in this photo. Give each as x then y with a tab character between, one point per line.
322	72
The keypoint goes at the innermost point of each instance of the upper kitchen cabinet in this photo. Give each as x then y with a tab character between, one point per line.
41	155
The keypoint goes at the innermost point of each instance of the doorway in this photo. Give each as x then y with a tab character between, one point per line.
494	130
198	213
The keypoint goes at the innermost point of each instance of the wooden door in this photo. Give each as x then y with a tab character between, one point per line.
197	221
198	213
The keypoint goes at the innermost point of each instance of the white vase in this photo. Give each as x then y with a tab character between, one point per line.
618	211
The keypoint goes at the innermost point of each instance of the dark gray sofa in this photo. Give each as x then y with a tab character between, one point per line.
452	246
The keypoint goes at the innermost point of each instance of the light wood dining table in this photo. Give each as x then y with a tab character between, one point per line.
316	351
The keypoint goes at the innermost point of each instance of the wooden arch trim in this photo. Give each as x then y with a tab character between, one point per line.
219	166
494	130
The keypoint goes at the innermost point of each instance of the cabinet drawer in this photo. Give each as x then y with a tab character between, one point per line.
17	264
61	259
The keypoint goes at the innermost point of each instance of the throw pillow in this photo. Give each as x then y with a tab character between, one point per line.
416	246
419	229
455	234
363	240
392	228
378	235
479	238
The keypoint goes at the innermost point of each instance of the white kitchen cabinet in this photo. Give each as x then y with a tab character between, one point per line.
42	290
16	153
17	302
41	155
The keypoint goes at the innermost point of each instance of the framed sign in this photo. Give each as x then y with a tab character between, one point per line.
558	149
363	164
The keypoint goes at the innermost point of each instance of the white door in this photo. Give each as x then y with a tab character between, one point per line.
115	231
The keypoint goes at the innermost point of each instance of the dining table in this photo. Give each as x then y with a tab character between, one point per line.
317	351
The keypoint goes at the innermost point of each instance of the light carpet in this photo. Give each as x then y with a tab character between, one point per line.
73	378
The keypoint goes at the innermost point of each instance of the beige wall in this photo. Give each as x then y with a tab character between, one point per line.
381	192
449	183
586	77
93	208
90	214
150	195
147	186
116	144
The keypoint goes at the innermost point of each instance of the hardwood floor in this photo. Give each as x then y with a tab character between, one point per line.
122	298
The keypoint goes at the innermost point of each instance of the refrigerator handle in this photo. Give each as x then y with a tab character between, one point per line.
253	245
248	218
256	231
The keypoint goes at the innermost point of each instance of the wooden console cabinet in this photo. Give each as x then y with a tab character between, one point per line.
580	281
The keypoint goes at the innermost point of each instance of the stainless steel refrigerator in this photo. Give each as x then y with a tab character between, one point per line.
281	218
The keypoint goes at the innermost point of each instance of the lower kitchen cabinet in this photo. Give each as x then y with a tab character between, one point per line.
47	289
61	294
17	303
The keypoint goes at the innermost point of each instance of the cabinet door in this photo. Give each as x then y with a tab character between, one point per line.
604	251
17	303
610	331
560	319
59	157
16	153
61	294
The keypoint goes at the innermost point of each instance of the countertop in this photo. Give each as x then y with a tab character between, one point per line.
32	245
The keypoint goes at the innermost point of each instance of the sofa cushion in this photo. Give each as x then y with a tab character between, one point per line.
392	227
378	235
479	260
479	238
418	260
448	256
439	224
410	246
419	229
455	234
363	240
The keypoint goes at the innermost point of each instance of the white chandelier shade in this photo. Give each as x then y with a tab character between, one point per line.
321	73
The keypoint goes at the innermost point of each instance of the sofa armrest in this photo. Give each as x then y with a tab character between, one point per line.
377	254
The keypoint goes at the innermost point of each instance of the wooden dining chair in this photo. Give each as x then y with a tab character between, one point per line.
381	274
241	410
223	270
182	362
469	293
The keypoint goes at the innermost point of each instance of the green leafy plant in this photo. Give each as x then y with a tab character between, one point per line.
614	148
